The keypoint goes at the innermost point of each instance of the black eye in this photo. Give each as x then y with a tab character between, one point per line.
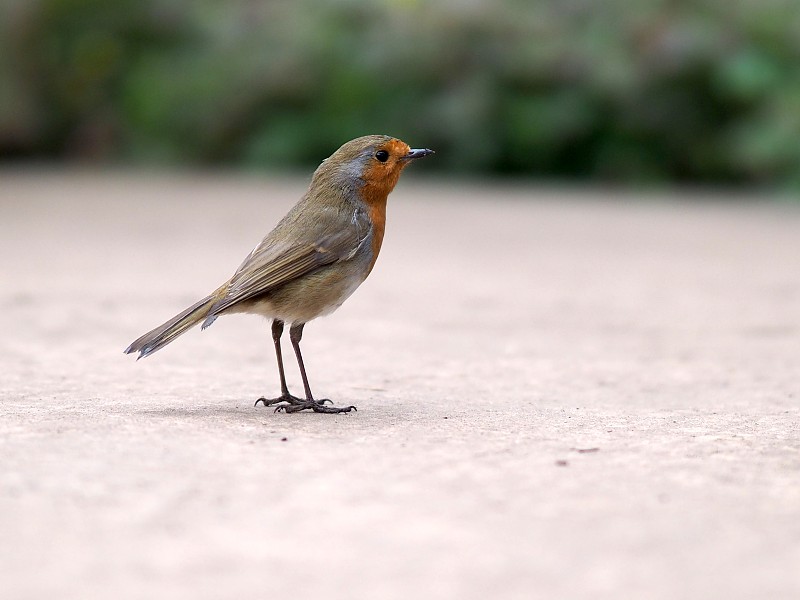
382	155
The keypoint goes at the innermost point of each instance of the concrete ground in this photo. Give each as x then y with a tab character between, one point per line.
559	396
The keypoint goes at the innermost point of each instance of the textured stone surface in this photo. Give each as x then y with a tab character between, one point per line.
559	394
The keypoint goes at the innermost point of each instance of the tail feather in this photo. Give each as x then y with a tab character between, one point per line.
177	325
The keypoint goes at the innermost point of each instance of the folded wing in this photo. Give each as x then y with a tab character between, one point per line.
275	263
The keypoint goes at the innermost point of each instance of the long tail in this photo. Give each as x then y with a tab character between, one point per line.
177	325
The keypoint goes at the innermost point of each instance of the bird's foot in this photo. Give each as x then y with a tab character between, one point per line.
287	397
318	406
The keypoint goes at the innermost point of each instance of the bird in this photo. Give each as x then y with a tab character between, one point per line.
311	262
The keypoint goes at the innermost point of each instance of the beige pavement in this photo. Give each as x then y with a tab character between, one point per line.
560	396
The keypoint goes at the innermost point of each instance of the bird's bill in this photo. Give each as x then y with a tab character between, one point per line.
418	153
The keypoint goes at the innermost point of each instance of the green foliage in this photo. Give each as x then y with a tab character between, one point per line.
700	91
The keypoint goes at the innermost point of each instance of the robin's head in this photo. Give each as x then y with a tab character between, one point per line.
372	163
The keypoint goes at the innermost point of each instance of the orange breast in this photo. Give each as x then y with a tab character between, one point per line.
377	214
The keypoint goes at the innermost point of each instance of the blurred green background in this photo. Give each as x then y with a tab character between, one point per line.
624	91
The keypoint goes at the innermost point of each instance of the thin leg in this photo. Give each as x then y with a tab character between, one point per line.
277	331
296	334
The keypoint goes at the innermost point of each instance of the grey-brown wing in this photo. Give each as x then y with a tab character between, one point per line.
271	265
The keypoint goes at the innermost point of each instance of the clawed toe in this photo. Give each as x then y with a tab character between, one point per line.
292	404
317	406
283	398
321	408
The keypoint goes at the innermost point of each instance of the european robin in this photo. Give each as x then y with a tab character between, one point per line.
316	256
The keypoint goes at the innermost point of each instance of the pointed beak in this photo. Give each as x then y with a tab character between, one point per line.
418	153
